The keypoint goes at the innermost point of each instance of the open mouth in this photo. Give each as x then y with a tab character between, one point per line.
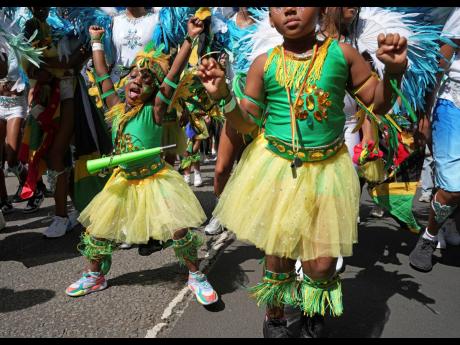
134	92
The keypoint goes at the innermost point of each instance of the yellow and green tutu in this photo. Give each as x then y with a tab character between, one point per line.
311	216
135	210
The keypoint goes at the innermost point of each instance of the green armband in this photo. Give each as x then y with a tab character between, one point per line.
237	89
102	78
170	83
163	98
107	94
258	121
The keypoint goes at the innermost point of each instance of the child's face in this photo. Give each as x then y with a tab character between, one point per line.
294	22
41	13
139	88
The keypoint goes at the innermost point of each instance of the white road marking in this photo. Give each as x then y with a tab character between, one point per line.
181	296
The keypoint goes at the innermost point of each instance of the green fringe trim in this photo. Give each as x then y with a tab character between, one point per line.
97	250
186	248
317	296
277	289
196	157
186	162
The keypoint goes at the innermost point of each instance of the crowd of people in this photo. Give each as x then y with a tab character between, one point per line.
313	104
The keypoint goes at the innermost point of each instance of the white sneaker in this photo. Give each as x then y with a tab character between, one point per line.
58	227
197	180
73	218
441	240
2	221
450	233
214	227
188	179
425	197
377	212
125	245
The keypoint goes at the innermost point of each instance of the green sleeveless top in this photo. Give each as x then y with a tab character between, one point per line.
323	119
140	132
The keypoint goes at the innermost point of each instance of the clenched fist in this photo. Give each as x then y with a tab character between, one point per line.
392	52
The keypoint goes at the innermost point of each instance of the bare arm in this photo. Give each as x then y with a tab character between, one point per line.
194	28
101	68
392	52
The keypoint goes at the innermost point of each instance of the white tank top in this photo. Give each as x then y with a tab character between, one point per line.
130	35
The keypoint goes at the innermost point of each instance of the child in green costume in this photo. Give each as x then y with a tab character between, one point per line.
295	192
146	199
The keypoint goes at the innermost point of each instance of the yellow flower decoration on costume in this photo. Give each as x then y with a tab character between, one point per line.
203	13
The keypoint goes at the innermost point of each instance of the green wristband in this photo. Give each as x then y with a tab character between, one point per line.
170	83
163	98
107	94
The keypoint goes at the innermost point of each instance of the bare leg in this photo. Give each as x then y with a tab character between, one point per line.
230	144
445	198
57	153
13	142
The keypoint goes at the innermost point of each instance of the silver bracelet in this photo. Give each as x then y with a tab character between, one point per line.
230	106
97	46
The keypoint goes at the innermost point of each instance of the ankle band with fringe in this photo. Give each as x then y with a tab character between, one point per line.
97	250
186	248
317	296
277	289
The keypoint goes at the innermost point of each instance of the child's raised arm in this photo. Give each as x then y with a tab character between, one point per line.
393	53
102	72
194	27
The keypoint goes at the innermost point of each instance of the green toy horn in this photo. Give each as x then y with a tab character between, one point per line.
96	165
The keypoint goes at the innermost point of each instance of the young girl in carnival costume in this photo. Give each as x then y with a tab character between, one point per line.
298	175
198	106
126	32
147	199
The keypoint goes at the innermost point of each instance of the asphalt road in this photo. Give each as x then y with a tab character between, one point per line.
383	296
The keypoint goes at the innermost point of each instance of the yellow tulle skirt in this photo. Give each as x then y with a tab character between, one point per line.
133	211
311	216
174	134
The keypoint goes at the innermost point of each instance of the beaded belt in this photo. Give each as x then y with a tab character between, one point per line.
305	154
141	172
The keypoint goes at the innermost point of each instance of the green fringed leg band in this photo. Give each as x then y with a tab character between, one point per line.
277	289
186	162
97	250
196	157
186	248
317	296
